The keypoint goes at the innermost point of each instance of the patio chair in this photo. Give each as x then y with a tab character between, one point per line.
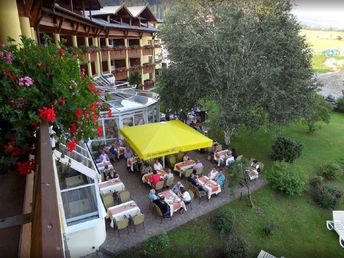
338	225
108	200
199	171
169	182
188	172
139	219
159	185
263	254
180	156
199	193
158	211
122	224
124	196
239	158
172	160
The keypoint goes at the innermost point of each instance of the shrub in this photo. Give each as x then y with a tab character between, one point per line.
224	221
316	181
235	247
340	105
286	150
326	197
268	229
286	179
330	171
158	243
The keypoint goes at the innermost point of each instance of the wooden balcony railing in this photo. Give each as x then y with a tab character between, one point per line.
120	73
46	236
148	68
147	50
134	52
117	53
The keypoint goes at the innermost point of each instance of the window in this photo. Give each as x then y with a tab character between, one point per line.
111	129
127	121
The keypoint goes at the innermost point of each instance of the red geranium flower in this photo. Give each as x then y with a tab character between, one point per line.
47	114
73	128
71	145
78	113
94	106
91	85
109	112
100	131
60	52
95	118
35	123
26	167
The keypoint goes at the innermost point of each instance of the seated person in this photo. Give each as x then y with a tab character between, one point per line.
234	153
169	174
220	179
213	174
255	165
105	169
155	178
152	196
112	175
193	179
157	165
119	142
229	160
176	187
198	165
146	169
103	158
163	206
185	195
128	153
113	150
186	157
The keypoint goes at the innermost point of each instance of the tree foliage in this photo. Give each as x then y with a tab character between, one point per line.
247	56
320	111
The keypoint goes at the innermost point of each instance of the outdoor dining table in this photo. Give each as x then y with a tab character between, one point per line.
101	166
110	186
208	185
147	178
173	200
219	154
132	161
181	167
121	211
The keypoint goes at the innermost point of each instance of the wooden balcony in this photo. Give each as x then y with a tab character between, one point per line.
134	52
104	54
92	56
148	68
135	68
117	53
120	73
147	50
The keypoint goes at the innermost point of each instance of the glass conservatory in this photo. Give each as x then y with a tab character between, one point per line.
129	107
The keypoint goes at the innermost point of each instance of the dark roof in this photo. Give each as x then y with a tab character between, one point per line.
88	5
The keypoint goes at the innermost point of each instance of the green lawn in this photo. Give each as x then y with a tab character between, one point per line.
299	224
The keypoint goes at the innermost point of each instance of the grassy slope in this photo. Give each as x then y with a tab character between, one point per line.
300	229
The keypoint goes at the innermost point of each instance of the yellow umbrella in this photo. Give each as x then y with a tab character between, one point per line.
164	138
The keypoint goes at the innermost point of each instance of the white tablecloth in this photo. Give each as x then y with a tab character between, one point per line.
146	178
118	212
110	186
210	186
181	167
173	201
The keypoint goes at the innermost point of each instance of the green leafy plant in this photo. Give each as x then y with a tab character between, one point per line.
224	221
340	104
134	78
42	83
268	229
285	149
330	171
325	196
286	178
235	247
157	243
316	181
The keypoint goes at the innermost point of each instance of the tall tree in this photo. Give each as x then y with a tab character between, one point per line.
245	55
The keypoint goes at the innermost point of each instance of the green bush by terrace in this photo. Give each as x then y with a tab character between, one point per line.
286	178
286	150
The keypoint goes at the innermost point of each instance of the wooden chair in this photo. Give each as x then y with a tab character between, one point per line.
139	219
172	161
159	185
180	156
158	211
188	172
122	224
199	171
108	200
199	193
169	182
124	196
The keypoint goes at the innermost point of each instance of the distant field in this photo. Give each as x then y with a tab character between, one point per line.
320	40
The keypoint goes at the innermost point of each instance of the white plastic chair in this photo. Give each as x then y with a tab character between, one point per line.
338	225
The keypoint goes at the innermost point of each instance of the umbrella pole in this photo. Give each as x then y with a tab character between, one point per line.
163	161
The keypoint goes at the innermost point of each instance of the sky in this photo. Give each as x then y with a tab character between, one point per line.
323	14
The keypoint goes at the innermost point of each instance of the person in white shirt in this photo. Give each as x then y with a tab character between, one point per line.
213	174
157	165
103	158
230	159
255	165
186	157
198	165
185	196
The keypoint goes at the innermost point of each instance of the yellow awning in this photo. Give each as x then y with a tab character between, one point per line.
164	138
